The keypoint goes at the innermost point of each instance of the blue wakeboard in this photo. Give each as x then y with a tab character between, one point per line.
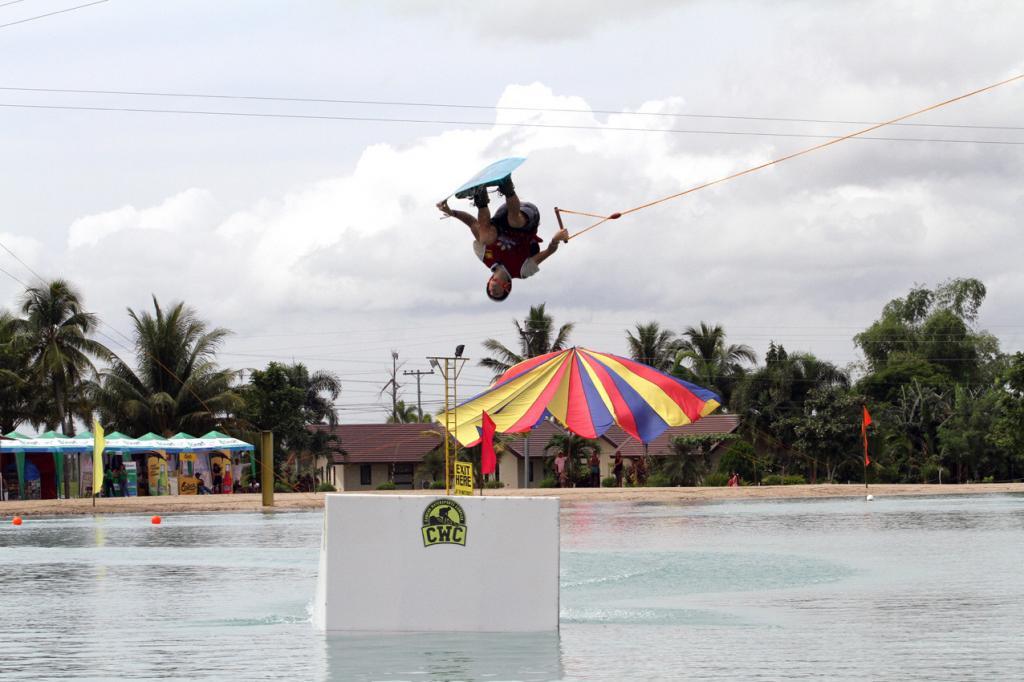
492	175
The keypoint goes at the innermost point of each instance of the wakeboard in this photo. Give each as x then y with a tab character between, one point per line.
490	176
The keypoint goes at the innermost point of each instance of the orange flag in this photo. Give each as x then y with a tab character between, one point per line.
488	459
864	433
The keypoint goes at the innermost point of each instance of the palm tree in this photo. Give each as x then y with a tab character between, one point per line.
18	395
177	386
535	338
652	345
704	358
577	449
321	389
407	414
687	463
55	331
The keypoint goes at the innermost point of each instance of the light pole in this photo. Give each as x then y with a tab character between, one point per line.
449	368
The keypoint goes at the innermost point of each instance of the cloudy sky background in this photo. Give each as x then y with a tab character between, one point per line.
317	240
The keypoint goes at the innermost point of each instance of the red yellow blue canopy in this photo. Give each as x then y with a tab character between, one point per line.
586	392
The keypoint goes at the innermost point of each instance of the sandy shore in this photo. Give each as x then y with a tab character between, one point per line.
293	501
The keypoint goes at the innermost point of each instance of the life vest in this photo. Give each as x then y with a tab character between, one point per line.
513	245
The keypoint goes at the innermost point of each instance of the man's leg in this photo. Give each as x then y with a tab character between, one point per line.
481	201
516	217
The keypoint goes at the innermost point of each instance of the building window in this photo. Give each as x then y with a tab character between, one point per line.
365	474
531	471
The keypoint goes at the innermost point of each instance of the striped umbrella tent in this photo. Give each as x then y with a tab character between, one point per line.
586	392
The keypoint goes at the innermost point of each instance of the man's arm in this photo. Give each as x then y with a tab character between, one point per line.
560	236
481	227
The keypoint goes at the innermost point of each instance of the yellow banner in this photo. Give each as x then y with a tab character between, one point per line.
463	478
98	443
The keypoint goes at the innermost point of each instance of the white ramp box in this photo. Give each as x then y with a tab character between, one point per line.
416	563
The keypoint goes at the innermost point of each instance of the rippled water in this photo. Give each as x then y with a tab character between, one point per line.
901	588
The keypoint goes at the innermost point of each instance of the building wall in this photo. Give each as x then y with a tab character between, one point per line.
347	476
510	470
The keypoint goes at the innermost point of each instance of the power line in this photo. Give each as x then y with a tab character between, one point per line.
14	278
12	2
552	126
484	107
753	169
15	256
50	14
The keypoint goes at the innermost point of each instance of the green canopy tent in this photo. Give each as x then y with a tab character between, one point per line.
19	462
57	444
58	459
231	443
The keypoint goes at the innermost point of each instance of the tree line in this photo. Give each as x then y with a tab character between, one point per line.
947	402
56	373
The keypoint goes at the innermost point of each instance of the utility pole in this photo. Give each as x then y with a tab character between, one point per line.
418	374
393	383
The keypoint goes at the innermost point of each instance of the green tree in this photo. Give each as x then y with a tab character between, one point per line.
828	431
537	336
652	345
408	414
1008	425
286	399
176	384
772	399
966	446
577	450
704	358
689	460
741	458
320	390
927	337
55	333
19	397
931	374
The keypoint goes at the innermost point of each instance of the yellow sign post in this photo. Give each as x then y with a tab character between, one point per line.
463	478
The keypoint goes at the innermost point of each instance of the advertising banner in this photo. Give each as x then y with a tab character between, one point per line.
132	470
156	474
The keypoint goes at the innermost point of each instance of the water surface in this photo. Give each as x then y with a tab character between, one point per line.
900	588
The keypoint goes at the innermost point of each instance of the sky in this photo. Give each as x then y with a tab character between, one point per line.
309	230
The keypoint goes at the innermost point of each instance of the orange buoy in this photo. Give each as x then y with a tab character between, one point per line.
155	520
16	520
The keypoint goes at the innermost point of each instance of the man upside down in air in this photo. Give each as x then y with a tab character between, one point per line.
506	242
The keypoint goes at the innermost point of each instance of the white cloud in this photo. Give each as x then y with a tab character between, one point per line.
300	228
183	212
371	240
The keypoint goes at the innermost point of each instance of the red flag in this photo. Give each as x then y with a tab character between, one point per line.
487	456
864	434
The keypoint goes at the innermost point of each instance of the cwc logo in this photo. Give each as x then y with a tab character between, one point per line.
444	523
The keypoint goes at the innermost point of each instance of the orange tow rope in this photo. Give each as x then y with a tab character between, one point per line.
615	216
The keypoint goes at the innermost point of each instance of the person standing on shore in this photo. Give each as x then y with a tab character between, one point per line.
108	483
640	471
560	469
617	470
595	470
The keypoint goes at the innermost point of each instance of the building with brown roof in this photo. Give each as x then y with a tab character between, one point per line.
366	455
